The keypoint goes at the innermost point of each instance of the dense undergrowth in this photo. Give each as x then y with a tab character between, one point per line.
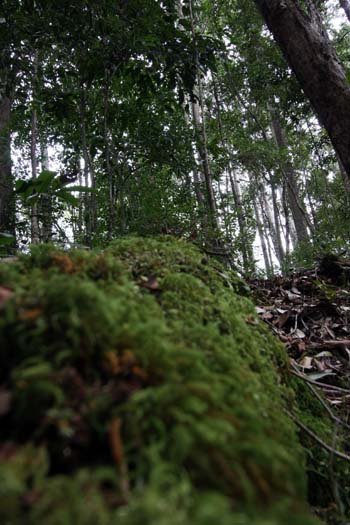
138	387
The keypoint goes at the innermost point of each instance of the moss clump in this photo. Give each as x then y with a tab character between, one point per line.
138	387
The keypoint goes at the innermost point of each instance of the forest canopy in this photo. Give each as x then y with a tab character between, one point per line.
180	117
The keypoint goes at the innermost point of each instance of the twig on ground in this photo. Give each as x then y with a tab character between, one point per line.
318	383
324	403
314	436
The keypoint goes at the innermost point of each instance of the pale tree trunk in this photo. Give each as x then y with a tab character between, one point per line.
246	249
201	142
109	170
301	221
198	178
89	201
201	138
277	222
262	238
309	52
286	213
34	215
197	182
266	226
270	225
7	200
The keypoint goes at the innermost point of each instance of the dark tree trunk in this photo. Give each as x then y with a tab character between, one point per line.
7	202
345	4
309	52
46	200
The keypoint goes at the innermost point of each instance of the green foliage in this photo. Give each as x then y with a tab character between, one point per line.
47	183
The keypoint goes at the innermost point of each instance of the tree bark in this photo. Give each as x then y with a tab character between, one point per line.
277	222
304	41
34	216
246	248
345	4
261	233
296	206
46	199
89	201
7	201
201	141
201	136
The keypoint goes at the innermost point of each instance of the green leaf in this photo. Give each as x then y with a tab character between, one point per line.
67	197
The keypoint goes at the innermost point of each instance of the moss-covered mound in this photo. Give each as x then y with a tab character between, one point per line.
137	387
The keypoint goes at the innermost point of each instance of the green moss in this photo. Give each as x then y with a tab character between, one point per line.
151	388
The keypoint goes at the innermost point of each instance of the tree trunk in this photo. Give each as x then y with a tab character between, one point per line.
34	216
309	52
201	137
277	222
46	200
107	154
261	233
345	180
345	4
89	175
201	141
296	206
7	201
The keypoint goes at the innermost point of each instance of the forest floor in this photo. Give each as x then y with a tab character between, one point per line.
310	313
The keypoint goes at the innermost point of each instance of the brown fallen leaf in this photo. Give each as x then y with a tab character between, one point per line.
283	318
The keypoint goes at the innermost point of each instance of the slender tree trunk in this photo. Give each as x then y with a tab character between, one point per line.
246	248
7	200
201	137
46	200
197	182
89	176
34	215
309	52
261	233
286	213
201	142
270	223
109	170
277	222
300	219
